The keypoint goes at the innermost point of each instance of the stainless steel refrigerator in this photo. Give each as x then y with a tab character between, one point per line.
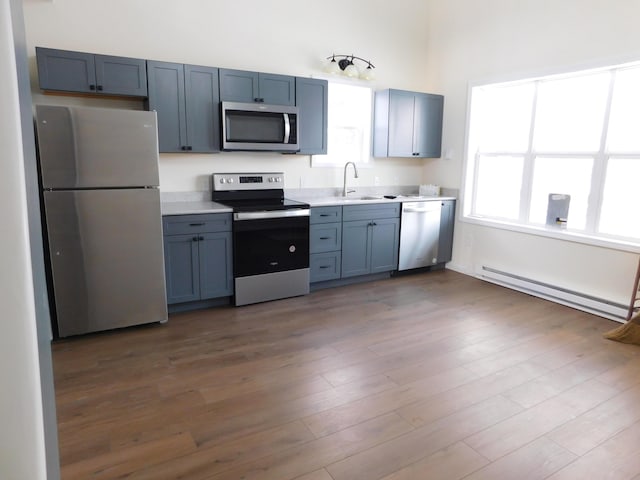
99	179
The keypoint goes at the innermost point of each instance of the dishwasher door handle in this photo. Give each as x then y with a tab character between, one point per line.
418	210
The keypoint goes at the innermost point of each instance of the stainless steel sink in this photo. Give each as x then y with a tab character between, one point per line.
359	199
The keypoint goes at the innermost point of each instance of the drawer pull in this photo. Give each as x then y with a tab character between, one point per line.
324	266
325	215
325	238
196	224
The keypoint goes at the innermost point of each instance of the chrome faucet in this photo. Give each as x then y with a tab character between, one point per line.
355	175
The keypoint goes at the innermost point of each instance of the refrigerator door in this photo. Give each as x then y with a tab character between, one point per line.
106	258
82	147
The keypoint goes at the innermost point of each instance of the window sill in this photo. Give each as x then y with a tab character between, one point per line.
558	234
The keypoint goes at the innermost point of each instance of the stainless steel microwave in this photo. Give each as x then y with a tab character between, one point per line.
259	127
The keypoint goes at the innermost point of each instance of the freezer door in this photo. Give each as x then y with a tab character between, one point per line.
82	147
106	258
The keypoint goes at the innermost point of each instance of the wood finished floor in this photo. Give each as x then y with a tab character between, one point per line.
429	376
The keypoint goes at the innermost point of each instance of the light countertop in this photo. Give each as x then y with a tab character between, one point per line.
192	207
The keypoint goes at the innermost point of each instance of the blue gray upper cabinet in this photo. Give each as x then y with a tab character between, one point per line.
68	71
186	99
407	124
249	87
312	101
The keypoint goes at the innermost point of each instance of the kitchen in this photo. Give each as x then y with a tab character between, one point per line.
441	58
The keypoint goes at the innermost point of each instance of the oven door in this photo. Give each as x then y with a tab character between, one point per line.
268	245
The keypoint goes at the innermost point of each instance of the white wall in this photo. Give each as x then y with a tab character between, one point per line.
279	36
21	436
470	41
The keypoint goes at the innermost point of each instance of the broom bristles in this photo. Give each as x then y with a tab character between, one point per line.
627	333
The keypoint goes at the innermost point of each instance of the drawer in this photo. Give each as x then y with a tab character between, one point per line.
371	211
325	214
325	237
200	223
324	266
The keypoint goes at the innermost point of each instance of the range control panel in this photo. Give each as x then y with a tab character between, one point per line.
247	181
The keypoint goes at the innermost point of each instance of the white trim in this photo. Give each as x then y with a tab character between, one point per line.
580	301
550	232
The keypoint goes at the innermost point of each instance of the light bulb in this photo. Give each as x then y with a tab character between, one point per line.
332	67
368	74
351	71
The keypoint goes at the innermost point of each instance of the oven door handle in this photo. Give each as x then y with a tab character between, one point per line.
298	212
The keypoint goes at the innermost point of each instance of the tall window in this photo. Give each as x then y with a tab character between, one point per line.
573	134
349	126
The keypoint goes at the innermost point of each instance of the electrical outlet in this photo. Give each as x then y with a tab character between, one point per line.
376	181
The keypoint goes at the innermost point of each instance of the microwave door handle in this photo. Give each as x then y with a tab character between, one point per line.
287	128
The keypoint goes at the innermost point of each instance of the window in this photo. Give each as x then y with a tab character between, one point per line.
349	126
572	134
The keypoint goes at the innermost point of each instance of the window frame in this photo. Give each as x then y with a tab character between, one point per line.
470	171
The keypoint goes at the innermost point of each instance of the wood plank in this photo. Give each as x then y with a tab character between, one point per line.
517	431
450	463
400	452
617	458
323	451
534	461
406	377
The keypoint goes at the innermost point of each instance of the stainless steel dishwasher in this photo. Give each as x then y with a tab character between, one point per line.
419	234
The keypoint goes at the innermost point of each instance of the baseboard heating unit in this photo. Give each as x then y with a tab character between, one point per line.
580	301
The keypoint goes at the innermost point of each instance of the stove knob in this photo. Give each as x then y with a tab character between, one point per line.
278	179
223	180
230	180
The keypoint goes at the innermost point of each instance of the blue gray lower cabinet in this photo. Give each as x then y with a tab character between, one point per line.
198	257
447	220
354	240
370	238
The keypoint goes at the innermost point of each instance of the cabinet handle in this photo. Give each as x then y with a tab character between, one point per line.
325	238
324	266
194	239
189	148
92	87
100	88
201	224
184	147
200	238
325	215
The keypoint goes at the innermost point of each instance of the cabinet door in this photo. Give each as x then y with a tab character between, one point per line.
167	98
447	220
181	264
66	71
385	237
202	108
311	100
216	272
356	240
401	124
121	76
238	86
277	89
428	125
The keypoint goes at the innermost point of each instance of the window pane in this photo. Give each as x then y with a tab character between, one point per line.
349	125
619	214
498	188
624	123
565	176
502	118
570	114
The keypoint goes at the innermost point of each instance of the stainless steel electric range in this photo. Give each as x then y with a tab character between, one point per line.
270	236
